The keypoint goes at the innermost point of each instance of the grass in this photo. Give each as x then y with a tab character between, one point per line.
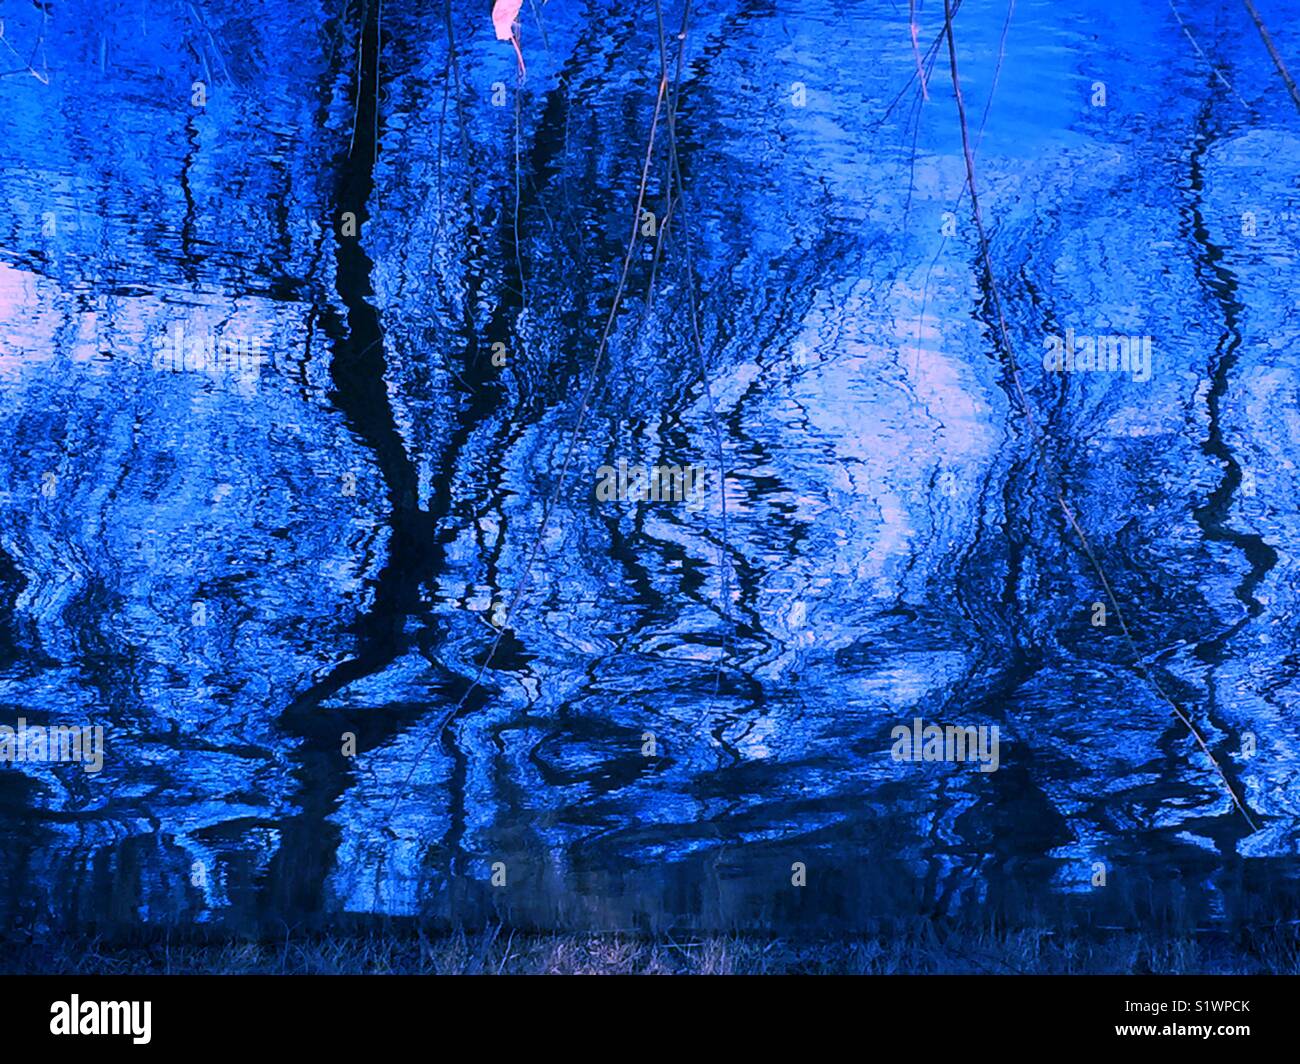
498	950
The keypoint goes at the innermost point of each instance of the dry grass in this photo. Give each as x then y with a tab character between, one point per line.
499	951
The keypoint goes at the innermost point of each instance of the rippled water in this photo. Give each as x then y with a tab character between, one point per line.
376	526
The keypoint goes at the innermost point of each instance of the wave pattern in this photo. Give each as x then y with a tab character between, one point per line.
305	400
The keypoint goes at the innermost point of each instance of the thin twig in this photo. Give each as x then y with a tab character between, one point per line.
466	157
1040	437
914	29
1213	69
1272	51
519	262
379	46
526	580
356	103
724	553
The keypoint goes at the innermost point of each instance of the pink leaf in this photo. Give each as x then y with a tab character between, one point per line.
504	13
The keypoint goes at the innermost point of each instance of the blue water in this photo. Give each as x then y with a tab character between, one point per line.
363	637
